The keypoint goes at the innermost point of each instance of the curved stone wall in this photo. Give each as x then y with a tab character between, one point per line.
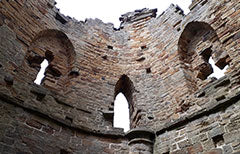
160	63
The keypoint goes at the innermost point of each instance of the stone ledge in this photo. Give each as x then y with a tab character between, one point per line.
108	115
140	133
108	133
140	140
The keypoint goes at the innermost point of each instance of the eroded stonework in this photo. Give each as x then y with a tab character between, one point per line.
160	63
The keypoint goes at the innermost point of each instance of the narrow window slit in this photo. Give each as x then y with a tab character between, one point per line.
40	74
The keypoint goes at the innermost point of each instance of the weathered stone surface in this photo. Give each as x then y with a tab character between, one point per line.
227	149
215	132
215	151
9	79
161	64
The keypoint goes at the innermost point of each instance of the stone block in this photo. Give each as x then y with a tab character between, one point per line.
231	136
236	145
9	79
214	151
34	123
216	131
227	149
184	144
207	145
162	58
201	137
195	148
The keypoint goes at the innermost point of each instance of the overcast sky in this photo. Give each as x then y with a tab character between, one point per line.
111	10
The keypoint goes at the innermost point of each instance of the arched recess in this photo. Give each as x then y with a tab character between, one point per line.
125	86
54	46
197	43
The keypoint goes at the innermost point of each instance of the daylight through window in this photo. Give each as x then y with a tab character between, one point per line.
40	74
217	72
121	113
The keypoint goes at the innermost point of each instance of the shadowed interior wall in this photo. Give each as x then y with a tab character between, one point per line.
160	63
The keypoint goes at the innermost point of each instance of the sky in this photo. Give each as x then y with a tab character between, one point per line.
217	72
110	11
40	74
121	113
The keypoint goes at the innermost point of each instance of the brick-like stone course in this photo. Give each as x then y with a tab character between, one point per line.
160	63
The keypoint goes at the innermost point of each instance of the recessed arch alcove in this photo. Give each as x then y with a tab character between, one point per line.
197	43
54	46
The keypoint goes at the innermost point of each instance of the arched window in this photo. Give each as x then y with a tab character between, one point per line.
123	104
121	113
55	47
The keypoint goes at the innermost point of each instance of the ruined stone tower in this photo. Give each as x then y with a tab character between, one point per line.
160	63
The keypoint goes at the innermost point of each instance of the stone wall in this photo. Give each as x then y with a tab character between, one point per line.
160	63
24	131
212	128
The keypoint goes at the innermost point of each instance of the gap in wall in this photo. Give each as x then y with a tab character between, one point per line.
40	74
217	72
121	113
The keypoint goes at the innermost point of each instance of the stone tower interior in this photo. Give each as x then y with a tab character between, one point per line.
160	63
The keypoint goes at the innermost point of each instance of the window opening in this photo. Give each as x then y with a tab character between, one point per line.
121	113
40	74
217	72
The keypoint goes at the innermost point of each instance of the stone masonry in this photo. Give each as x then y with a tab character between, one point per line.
160	63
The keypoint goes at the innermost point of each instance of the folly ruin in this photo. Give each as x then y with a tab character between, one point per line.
160	63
